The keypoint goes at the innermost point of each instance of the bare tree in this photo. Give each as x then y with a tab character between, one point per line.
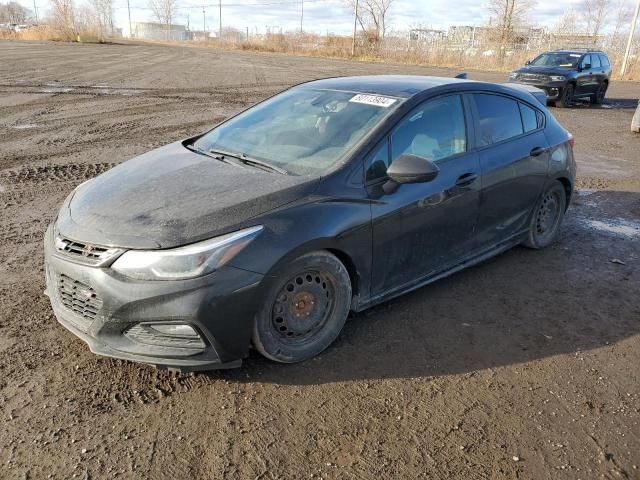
595	16
13	12
163	11
63	16
373	16
508	15
568	23
103	11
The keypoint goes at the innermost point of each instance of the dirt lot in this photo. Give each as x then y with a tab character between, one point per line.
526	366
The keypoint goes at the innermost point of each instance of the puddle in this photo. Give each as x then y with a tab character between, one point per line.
22	126
616	226
56	90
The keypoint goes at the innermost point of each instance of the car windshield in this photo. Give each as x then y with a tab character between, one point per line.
560	59
303	131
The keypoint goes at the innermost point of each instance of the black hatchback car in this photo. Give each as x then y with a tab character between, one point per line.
566	75
330	197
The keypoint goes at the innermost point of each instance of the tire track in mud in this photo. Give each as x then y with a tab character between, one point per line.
35	177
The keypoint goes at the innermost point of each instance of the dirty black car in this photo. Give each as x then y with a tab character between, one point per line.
330	197
568	75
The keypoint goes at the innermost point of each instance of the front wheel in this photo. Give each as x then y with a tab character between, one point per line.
304	310
566	96
547	217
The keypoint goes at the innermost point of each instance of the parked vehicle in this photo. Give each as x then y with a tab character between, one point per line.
567	75
635	121
330	197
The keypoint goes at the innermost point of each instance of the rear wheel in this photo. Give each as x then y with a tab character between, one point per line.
566	96
547	217
598	97
305	309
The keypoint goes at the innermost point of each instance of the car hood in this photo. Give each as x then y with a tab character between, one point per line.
173	196
544	70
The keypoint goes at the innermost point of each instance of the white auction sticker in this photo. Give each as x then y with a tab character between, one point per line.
376	100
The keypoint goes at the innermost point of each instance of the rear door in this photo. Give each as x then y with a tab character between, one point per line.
514	159
421	228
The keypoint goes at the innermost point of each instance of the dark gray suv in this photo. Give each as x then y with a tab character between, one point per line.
566	75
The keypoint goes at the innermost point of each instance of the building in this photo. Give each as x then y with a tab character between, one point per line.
159	31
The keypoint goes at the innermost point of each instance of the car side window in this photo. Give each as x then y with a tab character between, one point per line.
529	118
499	118
595	59
434	130
377	163
604	61
586	60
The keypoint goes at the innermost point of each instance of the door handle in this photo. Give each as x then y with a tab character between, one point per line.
536	151
466	179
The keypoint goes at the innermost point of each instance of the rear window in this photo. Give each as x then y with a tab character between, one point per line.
499	118
604	60
595	59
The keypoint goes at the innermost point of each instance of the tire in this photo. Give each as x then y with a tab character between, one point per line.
566	96
304	309
547	217
598	97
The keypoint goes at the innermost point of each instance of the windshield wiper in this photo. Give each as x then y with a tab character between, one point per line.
208	154
221	154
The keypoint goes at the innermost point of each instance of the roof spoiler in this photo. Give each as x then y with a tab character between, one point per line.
462	75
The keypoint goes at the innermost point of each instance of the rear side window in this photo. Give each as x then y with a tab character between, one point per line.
499	118
586	60
529	118
596	61
604	60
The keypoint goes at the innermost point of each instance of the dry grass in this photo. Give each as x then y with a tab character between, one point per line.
45	32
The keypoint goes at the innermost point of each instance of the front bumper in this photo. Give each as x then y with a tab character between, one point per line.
553	90
220	307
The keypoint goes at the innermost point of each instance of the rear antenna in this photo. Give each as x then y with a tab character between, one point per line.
462	75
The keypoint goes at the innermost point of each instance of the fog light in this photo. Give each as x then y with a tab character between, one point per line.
179	335
174	329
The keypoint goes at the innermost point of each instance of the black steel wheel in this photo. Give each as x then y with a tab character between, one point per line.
547	217
598	97
566	96
305	309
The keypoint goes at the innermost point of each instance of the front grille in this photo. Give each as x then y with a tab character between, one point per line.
533	77
85	252
79	297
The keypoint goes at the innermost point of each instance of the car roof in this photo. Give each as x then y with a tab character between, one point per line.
577	50
403	86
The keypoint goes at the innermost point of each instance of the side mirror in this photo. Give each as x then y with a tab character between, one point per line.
587	66
527	62
412	169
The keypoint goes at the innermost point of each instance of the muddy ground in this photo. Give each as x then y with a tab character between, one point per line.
527	366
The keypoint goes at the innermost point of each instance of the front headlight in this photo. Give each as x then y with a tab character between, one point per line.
557	78
184	262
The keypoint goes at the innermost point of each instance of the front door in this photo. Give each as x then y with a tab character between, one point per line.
420	229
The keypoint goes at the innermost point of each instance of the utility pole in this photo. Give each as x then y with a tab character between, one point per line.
35	11
204	24
355	24
220	8
301	13
627	51
129	9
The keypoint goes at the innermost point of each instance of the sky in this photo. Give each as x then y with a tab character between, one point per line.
322	16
